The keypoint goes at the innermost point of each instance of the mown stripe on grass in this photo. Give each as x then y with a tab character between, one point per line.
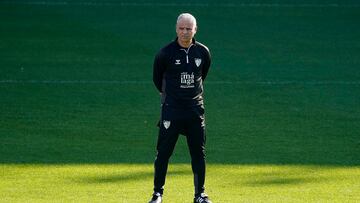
140	82
159	4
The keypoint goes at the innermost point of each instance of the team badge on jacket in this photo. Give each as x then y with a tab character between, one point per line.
166	124
197	62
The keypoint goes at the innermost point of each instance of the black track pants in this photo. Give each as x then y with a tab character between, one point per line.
194	130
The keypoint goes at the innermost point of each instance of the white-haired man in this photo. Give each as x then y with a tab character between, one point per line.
178	73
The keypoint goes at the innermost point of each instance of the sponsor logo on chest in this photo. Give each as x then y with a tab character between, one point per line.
187	80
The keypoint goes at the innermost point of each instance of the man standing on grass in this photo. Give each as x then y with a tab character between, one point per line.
179	71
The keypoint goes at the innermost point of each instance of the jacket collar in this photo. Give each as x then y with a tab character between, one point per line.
180	47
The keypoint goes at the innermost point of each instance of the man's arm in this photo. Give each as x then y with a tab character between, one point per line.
207	64
158	70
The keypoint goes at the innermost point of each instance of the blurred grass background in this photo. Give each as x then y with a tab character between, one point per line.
283	90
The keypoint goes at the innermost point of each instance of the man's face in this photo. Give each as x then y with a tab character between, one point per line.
185	30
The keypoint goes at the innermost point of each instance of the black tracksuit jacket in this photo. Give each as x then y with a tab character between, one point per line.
178	73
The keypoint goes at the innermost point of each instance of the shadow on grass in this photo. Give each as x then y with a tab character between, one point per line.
278	181
64	149
128	176
284	176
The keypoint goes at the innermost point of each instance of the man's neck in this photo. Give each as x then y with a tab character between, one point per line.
185	44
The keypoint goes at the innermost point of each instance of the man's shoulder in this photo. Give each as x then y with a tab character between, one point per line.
204	49
170	46
166	50
202	46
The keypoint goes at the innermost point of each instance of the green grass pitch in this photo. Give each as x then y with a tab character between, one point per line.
78	108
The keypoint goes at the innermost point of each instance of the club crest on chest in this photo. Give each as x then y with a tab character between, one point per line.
166	124
197	62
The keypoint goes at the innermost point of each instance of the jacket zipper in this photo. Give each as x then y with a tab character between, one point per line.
187	53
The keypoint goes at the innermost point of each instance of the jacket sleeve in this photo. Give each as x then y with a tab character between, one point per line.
207	64
158	70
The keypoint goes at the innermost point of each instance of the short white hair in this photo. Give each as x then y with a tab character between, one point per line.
187	16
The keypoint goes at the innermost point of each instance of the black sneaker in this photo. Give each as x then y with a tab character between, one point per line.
156	198
202	198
